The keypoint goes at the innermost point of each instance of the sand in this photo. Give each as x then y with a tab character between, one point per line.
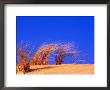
62	69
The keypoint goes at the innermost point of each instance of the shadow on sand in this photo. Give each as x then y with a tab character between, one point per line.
40	68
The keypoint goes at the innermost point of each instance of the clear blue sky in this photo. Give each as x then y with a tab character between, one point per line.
76	29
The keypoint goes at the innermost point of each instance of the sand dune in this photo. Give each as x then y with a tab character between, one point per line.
63	69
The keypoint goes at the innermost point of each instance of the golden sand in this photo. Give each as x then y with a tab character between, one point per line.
63	69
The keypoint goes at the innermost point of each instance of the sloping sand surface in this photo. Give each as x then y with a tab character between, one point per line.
63	69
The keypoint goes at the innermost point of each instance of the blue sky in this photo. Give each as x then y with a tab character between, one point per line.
40	29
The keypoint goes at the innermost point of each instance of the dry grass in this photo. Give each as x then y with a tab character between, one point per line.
39	62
